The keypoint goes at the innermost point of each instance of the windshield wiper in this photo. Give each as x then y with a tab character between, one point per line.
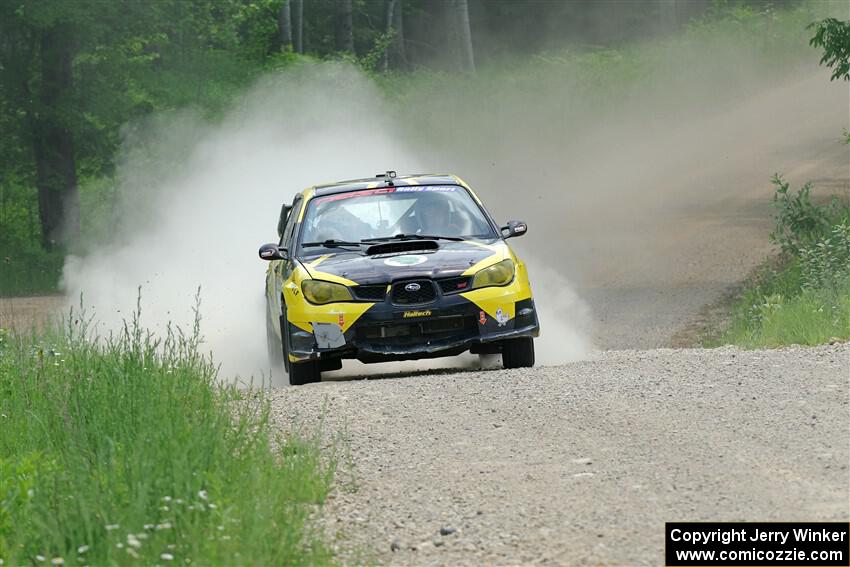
413	237
330	244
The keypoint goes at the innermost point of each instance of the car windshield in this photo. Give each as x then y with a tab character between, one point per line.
440	210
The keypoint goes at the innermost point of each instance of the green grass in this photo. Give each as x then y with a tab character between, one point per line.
777	312
127	451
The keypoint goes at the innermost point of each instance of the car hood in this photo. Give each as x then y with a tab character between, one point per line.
449	259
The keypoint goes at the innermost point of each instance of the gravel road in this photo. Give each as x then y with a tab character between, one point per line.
581	463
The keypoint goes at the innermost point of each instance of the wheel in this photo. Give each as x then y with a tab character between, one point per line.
284	341
273	345
300	373
518	353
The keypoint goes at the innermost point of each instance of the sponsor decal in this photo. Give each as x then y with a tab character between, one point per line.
405	260
427	189
425	313
482	317
501	317
412	287
267	253
462	285
353	194
341	320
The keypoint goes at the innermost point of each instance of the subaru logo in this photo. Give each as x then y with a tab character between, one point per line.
412	287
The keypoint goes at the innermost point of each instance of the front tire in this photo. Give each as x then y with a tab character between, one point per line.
273	345
300	373
518	353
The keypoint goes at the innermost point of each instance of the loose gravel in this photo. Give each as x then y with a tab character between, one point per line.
578	464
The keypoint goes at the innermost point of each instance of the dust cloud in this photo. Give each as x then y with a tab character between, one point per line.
196	199
628	200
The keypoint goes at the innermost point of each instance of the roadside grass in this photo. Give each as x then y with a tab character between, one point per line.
761	319
128	451
804	298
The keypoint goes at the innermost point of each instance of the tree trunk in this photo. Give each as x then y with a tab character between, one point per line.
298	19
284	26
668	12
389	19
53	144
344	30
466	60
398	54
394	56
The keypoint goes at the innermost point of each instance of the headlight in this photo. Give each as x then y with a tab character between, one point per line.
497	274
319	292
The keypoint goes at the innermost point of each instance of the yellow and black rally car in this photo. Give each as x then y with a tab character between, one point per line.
394	268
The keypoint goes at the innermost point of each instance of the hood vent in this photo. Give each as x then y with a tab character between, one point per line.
403	246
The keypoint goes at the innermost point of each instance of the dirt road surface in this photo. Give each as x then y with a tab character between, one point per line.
580	464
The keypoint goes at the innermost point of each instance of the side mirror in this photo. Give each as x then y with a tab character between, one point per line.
273	252
514	228
281	221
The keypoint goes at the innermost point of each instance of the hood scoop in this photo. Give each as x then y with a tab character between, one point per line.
403	246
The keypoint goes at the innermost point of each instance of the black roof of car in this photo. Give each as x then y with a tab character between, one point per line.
376	182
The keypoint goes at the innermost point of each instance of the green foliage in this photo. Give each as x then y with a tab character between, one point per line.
25	267
798	222
127	450
806	298
827	262
833	36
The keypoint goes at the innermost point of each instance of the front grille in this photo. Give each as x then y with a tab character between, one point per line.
415	332
404	293
369	292
454	285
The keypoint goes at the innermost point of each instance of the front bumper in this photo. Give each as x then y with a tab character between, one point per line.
387	332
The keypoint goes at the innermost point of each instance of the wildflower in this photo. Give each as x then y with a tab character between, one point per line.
202	494
57	561
166	557
119	545
166	498
148	526
163	508
212	506
178	501
132	553
220	528
110	527
164	526
171	546
132	541
82	549
39	558
142	535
